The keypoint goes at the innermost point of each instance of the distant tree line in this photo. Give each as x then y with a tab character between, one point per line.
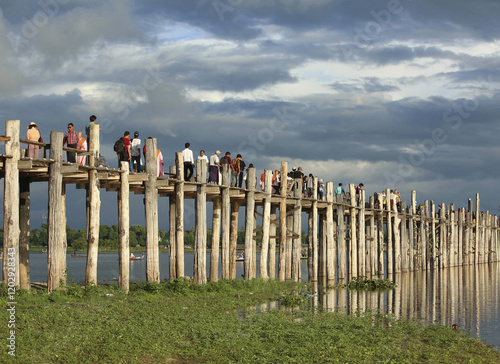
108	237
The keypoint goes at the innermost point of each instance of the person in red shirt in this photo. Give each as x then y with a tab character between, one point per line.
125	156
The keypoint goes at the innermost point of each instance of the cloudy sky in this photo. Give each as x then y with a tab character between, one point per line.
395	94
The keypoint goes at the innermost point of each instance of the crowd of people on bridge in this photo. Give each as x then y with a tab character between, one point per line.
128	149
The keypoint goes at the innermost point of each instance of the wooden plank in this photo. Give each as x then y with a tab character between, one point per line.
139	177
25	164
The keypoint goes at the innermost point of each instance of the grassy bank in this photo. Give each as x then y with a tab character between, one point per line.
216	323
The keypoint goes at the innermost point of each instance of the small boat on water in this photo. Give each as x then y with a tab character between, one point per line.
133	257
78	256
304	255
240	257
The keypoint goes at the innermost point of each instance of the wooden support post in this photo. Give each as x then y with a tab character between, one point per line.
330	237
432	242
123	229
397	239
341	243
151	206
452	247
461	220
214	252
373	240
297	229
390	243
62	252
266	222
249	224
470	233
11	205
289	247
405	260
24	236
233	238
380	237
172	250
200	244
322	260
425	240
55	235
283	242
312	254
412	230
442	235
94	207
353	239
423	236
272	245
179	214
477	245
361	235
225	223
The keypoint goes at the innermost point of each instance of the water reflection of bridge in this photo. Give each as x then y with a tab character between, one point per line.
347	238
466	296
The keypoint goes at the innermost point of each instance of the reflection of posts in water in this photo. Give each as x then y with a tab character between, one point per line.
425	236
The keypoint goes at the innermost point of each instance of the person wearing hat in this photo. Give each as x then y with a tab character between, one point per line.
213	168
33	135
135	152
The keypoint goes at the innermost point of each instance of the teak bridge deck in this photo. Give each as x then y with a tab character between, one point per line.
346	237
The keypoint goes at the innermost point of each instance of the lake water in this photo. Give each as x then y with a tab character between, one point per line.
466	296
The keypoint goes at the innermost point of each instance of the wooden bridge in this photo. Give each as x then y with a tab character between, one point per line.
346	237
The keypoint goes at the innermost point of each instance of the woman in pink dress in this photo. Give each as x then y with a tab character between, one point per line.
82	145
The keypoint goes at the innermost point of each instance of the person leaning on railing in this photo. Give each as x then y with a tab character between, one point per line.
33	135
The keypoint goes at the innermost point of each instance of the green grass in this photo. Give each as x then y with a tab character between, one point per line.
226	322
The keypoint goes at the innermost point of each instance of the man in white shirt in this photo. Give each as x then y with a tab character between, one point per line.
135	152
187	157
213	168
